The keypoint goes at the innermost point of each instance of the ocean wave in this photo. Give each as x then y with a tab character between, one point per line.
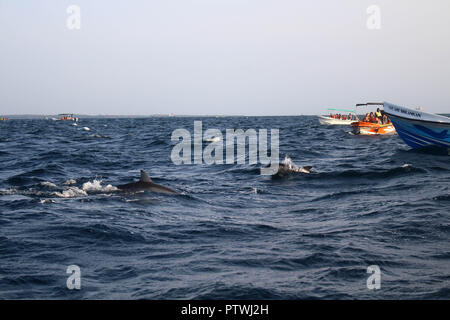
445	197
380	174
235	234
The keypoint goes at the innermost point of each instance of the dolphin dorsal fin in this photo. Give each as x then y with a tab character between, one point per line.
145	177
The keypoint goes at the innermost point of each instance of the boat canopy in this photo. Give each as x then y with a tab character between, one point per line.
370	104
342	110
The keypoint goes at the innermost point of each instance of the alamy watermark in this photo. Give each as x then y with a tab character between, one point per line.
374	280
213	153
73	21
74	280
373	22
374	19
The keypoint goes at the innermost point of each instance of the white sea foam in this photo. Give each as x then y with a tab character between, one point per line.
215	139
288	161
7	192
96	135
48	184
86	129
69	182
47	201
71	192
291	166
96	186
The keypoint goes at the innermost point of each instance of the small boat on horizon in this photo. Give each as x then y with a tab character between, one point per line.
66	116
3	119
337	118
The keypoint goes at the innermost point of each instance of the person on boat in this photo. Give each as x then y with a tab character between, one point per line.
379	114
350	116
374	118
366	118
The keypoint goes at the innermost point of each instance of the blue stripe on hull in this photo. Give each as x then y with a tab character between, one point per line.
410	141
415	138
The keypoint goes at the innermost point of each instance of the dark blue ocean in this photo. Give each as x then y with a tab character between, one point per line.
231	233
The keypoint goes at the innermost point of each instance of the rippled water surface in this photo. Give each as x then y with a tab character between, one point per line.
231	233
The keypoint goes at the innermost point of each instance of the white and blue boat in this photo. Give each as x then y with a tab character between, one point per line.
417	128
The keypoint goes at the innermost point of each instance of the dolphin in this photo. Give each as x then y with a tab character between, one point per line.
286	169
145	183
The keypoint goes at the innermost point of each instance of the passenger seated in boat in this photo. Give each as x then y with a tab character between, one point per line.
350	117
366	118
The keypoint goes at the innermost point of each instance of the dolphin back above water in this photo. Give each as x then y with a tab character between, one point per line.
145	183
287	167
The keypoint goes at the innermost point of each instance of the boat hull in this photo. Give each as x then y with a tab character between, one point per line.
417	134
418	129
368	128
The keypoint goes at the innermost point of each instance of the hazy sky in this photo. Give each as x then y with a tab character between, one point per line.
253	57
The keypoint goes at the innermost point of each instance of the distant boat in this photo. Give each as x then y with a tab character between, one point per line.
419	129
332	121
3	119
372	128
66	116
328	120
